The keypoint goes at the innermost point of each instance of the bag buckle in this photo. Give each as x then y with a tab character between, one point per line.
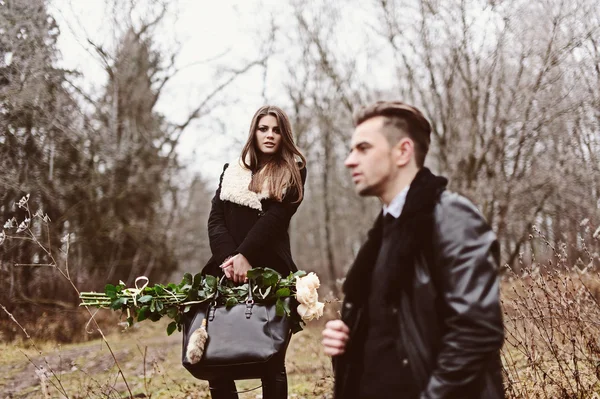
249	305
211	313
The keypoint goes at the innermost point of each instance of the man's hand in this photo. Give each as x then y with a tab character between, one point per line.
335	336
236	268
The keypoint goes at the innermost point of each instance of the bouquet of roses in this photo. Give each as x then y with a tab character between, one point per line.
172	300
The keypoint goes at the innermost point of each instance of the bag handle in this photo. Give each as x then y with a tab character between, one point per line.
249	301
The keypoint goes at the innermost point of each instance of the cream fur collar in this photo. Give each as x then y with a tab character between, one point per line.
236	180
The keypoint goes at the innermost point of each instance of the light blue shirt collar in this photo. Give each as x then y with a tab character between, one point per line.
395	207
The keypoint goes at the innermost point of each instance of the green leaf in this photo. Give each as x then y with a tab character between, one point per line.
192	295
153	306
143	314
286	308
283	292
255	272
171	328
172	312
145	299
187	308
118	303
231	302
186	287
110	291
270	277
268	269
300	273
187	279
211	282
197	280
279	308
154	316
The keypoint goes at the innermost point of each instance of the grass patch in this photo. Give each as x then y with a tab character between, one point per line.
151	363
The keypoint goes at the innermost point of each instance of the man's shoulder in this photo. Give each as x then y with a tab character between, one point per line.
451	198
454	205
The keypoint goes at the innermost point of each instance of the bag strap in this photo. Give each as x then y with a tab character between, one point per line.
249	302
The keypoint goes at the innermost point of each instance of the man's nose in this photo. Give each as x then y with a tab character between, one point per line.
350	161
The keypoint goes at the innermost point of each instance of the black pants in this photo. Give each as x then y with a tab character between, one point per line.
274	386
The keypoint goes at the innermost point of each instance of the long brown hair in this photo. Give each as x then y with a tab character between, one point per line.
281	170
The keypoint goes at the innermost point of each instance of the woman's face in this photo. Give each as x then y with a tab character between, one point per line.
268	136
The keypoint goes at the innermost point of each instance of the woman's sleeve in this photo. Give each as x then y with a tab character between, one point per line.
271	225
222	244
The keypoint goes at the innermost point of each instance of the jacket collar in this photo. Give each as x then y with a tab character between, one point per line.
234	188
422	196
395	207
424	192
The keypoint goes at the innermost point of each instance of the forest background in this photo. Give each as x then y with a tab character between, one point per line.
117	116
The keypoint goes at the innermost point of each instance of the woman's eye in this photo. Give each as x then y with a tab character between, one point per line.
262	129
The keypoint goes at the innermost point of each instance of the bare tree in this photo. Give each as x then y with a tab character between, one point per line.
495	89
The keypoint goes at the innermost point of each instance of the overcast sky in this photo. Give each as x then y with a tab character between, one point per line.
226	30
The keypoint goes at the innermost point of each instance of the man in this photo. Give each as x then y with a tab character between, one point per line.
421	316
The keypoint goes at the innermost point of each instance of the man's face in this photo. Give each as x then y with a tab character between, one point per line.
370	159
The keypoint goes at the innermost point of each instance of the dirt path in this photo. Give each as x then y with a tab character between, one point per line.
150	361
22	377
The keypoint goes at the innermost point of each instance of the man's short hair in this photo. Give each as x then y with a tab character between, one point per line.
400	120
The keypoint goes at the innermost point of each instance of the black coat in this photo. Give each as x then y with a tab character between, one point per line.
443	293
245	222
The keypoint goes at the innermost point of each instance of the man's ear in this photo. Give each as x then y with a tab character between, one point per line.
403	151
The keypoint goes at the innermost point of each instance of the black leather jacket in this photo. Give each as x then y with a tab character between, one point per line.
445	297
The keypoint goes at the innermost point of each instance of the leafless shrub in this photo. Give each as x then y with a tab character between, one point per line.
57	260
552	320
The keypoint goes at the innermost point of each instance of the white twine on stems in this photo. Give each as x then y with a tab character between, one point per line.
87	325
134	292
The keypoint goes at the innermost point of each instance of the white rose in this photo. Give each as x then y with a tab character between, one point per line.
308	313
306	296
311	281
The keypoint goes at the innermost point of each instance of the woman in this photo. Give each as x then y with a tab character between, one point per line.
250	216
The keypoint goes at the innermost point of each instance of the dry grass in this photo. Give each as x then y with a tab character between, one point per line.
552	323
151	363
552	350
552	346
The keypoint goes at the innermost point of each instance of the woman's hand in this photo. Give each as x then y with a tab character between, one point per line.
236	268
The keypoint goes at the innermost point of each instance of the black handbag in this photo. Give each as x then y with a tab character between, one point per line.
246	341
